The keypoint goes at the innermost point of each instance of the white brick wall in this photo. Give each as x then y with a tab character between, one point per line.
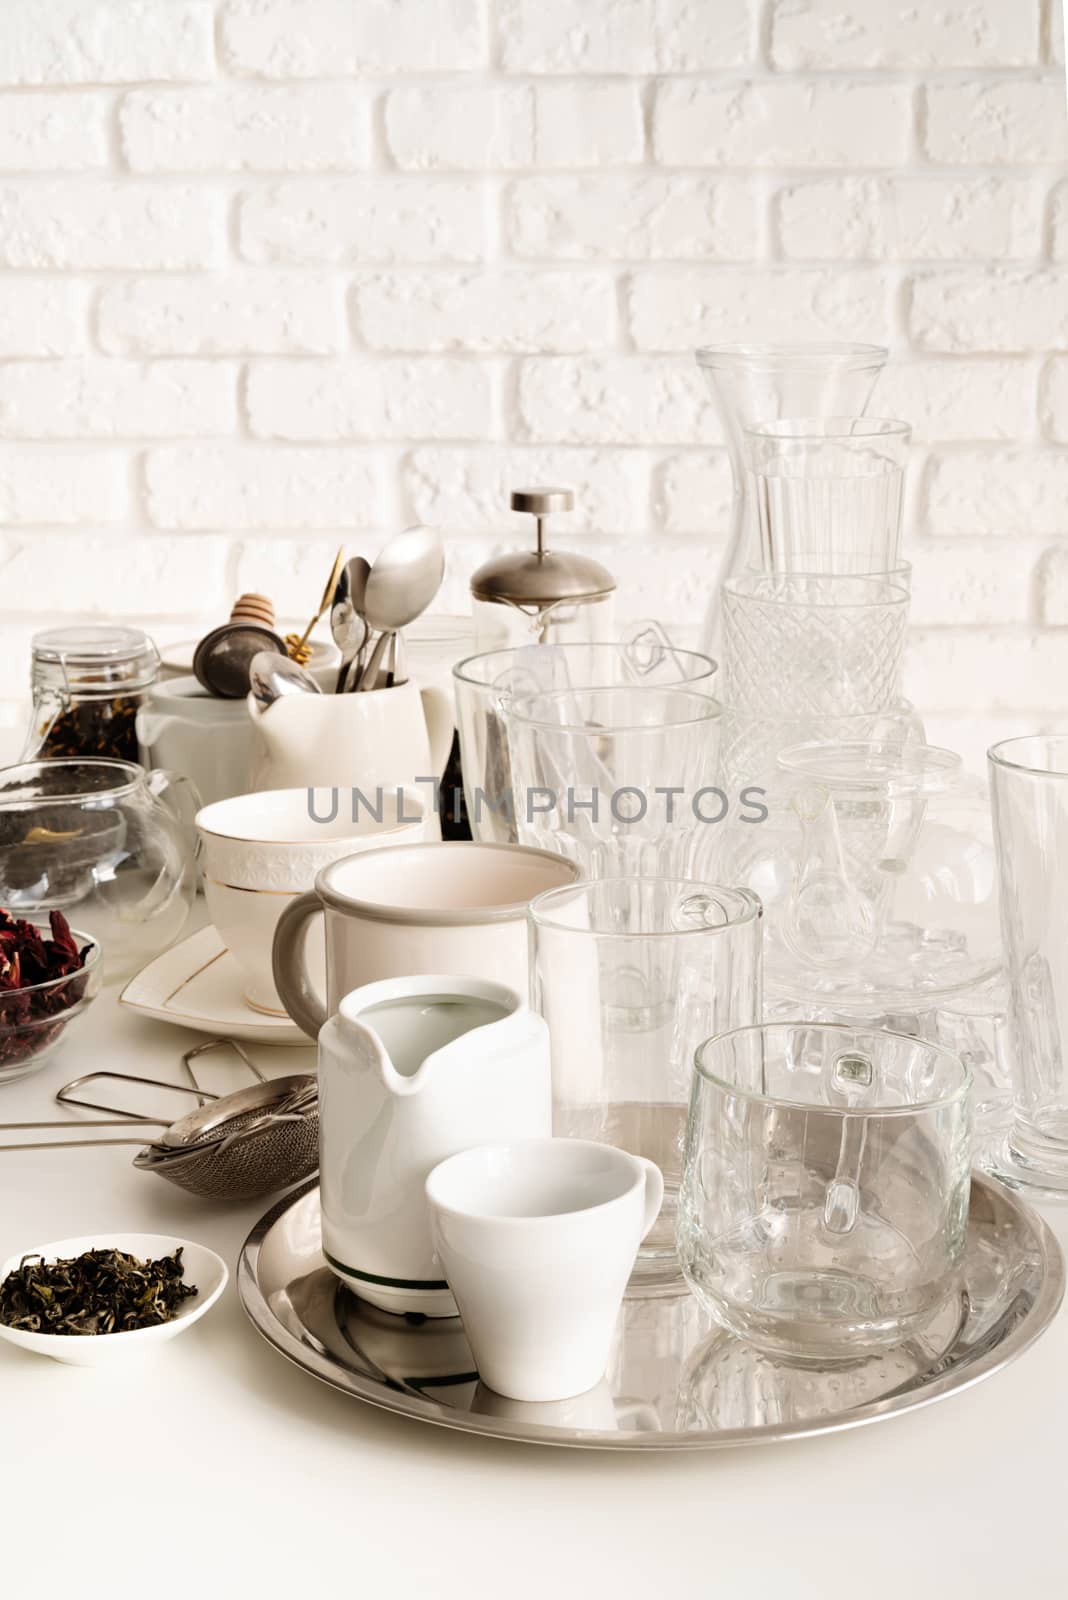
279	271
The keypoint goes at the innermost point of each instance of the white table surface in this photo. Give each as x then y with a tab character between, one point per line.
224	1470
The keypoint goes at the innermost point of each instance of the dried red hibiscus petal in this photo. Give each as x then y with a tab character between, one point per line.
27	959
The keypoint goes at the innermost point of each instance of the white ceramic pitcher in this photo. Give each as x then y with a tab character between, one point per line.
412	1070
366	741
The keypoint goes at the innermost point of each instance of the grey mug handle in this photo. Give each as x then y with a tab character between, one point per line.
289	967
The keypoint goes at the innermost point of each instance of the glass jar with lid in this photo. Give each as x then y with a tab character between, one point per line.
88	682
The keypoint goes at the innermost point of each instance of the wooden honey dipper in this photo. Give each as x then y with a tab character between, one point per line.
256	608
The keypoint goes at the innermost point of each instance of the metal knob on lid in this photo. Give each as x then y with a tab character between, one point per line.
539	579
542	502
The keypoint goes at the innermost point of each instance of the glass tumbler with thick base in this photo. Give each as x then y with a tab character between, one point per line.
631	974
1029	795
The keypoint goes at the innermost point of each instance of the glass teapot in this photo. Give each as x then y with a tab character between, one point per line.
877	872
106	843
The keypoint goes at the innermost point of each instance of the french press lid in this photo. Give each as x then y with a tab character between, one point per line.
534	579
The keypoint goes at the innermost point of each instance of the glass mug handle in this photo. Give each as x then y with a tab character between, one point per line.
289	967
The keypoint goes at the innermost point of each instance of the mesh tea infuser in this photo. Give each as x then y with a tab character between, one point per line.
236	1147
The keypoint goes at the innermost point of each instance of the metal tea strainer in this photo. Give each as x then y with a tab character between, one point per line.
238	1146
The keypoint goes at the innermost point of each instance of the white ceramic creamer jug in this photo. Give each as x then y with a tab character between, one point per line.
412	1070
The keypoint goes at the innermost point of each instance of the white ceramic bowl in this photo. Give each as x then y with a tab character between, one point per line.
202	1267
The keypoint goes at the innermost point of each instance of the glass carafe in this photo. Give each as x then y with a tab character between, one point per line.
753	383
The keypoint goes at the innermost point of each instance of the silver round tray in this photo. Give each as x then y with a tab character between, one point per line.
675	1381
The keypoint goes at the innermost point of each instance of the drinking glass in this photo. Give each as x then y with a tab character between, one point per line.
803	644
484	682
618	780
824	1196
630	975
1029	790
827	493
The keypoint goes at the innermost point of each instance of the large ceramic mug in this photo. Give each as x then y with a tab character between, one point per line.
455	908
260	851
366	741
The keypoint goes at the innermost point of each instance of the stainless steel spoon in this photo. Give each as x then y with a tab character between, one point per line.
347	621
272	676
403	582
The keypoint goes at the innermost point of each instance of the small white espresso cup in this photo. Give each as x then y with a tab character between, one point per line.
537	1240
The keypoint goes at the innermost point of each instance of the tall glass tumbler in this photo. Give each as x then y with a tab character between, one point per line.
483	684
825	1189
810	645
1029	794
827	493
631	975
620	781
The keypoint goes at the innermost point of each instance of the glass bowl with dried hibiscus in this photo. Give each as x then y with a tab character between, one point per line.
49	973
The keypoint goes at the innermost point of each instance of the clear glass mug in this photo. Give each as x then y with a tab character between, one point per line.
824	1198
1029	795
483	683
619	780
631	975
108	844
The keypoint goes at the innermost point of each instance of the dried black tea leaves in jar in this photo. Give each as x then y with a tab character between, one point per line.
88	684
105	728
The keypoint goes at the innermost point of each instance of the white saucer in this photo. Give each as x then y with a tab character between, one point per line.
196	984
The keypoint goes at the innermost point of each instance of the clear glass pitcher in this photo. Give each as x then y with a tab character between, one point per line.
752	383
